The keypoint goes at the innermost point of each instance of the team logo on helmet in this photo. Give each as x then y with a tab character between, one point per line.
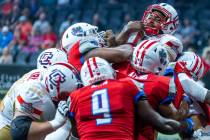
56	77
162	55
45	58
78	31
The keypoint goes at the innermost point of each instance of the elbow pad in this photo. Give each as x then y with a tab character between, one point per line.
20	127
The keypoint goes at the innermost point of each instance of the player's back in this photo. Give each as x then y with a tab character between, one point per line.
7	104
105	111
33	100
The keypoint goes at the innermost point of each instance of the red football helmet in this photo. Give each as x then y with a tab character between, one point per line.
160	18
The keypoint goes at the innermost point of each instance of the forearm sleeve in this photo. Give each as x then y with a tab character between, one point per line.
191	88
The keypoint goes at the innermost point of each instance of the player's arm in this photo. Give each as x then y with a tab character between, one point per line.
169	111
131	27
74	133
193	89
24	127
166	126
113	55
163	125
109	38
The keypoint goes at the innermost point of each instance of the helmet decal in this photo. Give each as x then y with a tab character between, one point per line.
56	77
77	31
45	58
163	57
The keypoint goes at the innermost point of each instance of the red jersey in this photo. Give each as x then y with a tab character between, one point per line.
78	50
158	90
106	111
156	87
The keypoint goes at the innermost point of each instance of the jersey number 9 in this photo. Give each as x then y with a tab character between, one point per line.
101	106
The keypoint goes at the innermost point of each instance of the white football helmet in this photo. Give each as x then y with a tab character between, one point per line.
51	56
173	45
79	31
167	27
95	70
61	79
150	57
192	65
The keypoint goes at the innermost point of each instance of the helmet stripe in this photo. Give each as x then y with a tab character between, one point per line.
58	86
96	66
170	44
201	64
89	68
72	68
196	64
138	36
137	54
94	62
144	51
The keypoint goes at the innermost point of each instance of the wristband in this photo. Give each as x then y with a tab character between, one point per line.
190	125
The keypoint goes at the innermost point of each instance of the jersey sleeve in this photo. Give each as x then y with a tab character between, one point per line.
72	105
171	93
135	38
138	90
29	103
192	88
160	93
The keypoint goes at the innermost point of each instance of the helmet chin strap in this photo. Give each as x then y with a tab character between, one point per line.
58	87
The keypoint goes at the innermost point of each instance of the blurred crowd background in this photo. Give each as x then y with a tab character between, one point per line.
29	26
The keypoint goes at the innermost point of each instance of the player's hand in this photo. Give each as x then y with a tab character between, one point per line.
134	26
109	38
108	34
60	116
62	108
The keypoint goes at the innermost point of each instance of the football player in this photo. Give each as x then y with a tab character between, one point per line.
187	70
158	19
82	41
35	103
150	58
45	59
159	22
104	108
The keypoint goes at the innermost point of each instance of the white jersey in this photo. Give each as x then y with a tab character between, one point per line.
136	38
34	101
7	106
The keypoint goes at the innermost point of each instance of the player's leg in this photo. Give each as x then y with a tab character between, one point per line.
5	133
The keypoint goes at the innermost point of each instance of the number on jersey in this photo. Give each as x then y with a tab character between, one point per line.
101	105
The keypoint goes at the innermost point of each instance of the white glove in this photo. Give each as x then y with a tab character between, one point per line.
202	133
60	116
